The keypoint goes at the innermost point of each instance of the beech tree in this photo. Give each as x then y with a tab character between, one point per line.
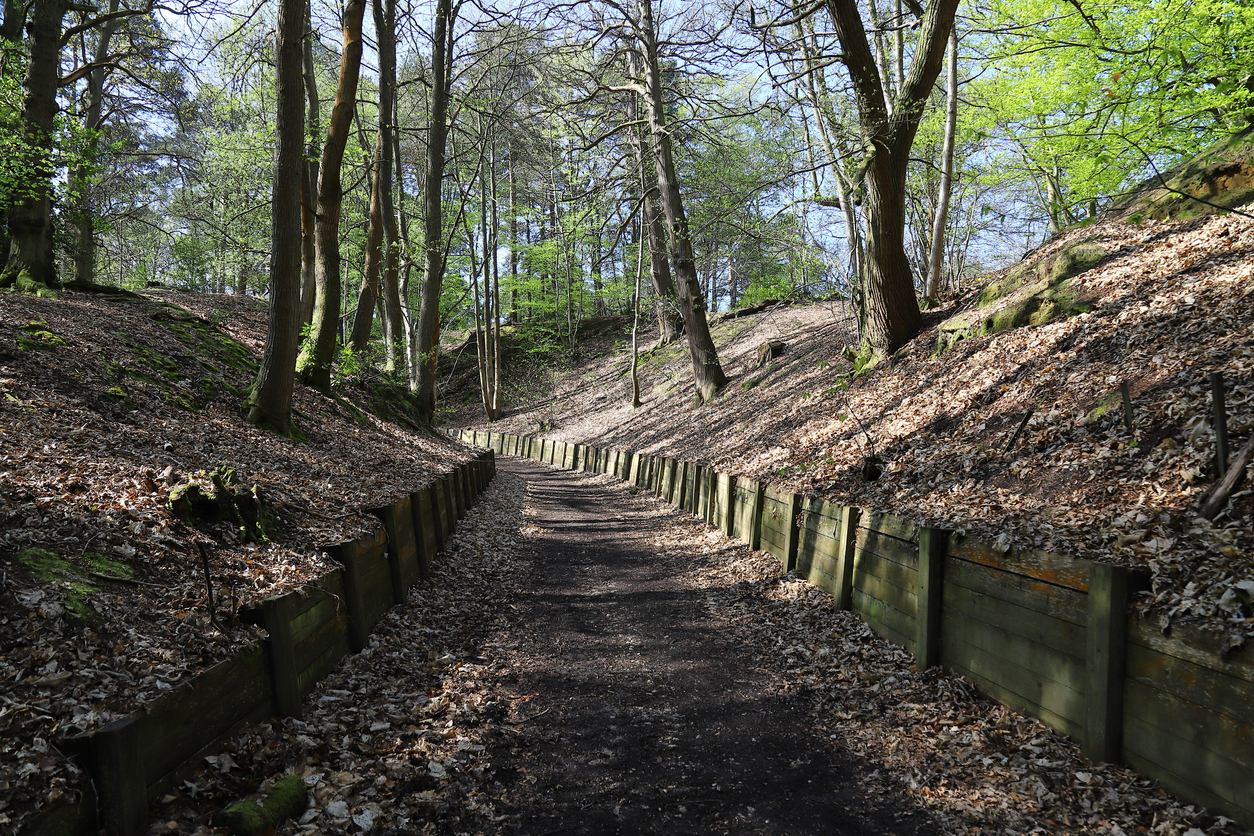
888	125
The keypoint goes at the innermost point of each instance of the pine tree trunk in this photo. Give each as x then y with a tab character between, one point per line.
315	362
271	401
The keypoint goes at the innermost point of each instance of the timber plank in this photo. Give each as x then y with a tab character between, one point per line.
895	596
1033	625
1195	645
1242	811
331	631
1200	685
1044	566
1019	703
193	715
905	578
878	610
420	504
889	526
1017	651
1050	696
889	548
1219	776
1193	727
1061	602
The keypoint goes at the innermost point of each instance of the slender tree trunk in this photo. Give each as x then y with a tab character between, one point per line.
433	239
393	324
85	257
364	318
271	401
706	370
635	329
14	20
937	253
30	220
670	321
315	361
309	178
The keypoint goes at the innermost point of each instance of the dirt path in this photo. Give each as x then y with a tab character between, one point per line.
637	714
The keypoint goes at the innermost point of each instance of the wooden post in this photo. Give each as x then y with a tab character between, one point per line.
759	500
791	533
1221	422
1127	404
277	615
398	520
120	778
1106	645
846	544
354	595
711	485
933	543
426	529
450	501
729	508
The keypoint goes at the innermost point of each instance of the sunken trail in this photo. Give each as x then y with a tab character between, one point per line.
640	715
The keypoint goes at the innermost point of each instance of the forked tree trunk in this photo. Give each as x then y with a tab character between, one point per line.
892	314
706	371
315	360
271	401
363	320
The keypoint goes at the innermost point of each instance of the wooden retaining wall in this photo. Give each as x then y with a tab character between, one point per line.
1047	635
137	759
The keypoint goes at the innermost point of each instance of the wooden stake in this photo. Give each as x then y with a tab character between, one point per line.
1127	404
1221	422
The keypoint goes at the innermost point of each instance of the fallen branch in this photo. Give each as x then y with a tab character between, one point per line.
1231	479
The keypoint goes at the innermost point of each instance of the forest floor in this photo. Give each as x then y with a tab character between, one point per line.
586	659
109	406
1168	302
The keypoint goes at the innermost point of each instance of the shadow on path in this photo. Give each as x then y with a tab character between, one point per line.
641	715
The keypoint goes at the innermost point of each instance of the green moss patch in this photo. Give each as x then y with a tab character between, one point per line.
1032	293
226	500
73	583
35	336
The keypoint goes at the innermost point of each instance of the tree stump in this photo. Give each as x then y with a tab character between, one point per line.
768	351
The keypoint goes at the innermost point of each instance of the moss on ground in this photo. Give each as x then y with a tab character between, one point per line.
1030	294
72	582
35	336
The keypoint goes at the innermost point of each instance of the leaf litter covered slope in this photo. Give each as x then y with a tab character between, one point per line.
1172	302
422	732
106	406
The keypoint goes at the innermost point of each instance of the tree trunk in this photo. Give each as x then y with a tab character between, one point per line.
433	237
271	401
670	321
706	371
364	318
892	310
85	257
937	253
309	178
30	220
315	361
393	320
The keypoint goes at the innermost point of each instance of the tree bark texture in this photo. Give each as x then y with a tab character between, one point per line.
309	178
892	314
315	361
30	220
272	392
85	257
707	372
433	235
937	253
